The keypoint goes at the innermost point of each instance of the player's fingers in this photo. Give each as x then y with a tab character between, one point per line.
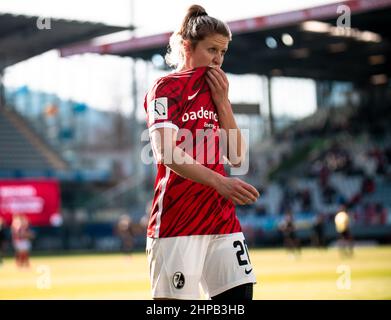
243	198
233	199
237	200
214	76
248	195
250	188
219	74
212	80
222	74
211	84
236	195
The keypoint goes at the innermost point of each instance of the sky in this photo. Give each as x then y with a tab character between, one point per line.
104	81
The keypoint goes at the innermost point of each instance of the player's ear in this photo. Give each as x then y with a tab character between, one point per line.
187	47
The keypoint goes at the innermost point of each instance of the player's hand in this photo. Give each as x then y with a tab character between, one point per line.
237	190
219	85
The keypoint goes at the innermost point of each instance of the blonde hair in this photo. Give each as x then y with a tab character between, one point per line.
196	26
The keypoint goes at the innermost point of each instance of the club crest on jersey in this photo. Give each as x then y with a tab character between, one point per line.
178	280
158	109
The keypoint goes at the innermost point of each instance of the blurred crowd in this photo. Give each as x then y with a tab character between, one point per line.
337	163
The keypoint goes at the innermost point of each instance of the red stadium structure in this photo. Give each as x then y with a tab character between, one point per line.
317	47
313	45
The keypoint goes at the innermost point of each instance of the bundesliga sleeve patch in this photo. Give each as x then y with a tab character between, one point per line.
158	109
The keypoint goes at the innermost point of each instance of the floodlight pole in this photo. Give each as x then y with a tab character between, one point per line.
133	71
137	166
2	95
270	105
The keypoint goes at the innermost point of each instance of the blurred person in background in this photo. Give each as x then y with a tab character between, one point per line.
126	231
381	213
345	241
145	218
318	237
21	239
3	238
194	236
288	229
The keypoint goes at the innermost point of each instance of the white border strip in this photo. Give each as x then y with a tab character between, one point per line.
160	201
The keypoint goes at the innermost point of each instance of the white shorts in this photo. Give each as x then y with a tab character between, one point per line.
22	245
179	266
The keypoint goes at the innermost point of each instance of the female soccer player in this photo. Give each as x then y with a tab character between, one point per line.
194	237
21	238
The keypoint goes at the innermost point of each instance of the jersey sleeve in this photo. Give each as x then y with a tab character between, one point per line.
163	105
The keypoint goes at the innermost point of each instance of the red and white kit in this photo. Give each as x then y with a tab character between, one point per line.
194	237
182	207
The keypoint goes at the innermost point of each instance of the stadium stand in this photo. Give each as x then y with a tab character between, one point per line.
20	38
22	147
352	168
26	153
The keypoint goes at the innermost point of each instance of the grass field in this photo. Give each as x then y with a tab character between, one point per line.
315	275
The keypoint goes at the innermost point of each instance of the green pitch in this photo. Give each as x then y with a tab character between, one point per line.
313	275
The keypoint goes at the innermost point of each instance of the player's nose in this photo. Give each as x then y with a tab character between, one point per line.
217	60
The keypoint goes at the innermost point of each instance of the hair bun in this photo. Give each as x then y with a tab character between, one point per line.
196	11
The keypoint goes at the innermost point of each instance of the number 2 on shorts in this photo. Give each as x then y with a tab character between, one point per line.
243	247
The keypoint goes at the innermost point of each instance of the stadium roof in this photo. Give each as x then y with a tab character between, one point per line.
22	37
302	43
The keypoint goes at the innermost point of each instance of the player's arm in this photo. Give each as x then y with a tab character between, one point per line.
219	85
166	152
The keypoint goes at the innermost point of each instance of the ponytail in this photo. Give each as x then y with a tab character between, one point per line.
193	12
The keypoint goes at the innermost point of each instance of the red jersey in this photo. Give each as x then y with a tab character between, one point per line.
182	207
20	233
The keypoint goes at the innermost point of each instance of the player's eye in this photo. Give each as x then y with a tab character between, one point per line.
212	50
